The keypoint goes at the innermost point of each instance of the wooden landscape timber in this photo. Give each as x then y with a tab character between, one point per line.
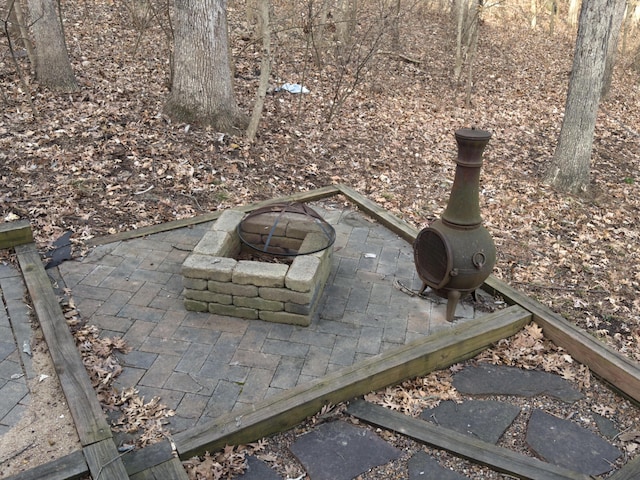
99	455
302	197
15	233
615	369
102	457
69	467
467	446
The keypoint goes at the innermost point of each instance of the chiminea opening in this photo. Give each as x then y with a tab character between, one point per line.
433	258
455	254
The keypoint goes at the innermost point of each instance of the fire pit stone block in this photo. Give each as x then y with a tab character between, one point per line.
215	282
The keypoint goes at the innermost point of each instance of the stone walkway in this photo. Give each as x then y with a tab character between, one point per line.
202	365
338	450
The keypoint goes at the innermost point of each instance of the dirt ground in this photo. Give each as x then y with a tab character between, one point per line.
46	430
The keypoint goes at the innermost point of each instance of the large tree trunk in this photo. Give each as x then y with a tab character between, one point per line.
612	47
570	168
52	65
202	88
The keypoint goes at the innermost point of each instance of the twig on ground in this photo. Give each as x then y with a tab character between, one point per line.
17	453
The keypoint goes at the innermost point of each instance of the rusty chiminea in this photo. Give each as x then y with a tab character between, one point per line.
455	254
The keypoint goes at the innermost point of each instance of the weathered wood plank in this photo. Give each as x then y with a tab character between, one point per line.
69	467
282	411
172	469
15	233
309	196
393	223
479	451
150	456
83	404
621	372
631	471
104	461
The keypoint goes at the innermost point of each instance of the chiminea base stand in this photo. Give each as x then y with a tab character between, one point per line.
455	254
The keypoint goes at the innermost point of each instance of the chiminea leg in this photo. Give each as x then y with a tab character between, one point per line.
423	289
452	303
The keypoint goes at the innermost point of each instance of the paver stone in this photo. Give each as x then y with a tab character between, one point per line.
341	451
423	466
487	379
258	470
566	444
483	419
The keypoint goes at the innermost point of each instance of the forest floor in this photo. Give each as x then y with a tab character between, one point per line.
106	158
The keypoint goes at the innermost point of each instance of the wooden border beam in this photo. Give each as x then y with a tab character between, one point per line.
282	411
70	467
310	196
93	430
393	223
621	372
15	233
104	460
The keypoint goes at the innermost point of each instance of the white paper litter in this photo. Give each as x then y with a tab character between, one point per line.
293	88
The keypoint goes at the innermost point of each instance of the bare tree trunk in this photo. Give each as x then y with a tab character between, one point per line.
395	27
202	88
252	12
552	16
534	13
52	66
348	14
16	12
572	12
265	69
12	25
460	13
612	51
569	170
472	49
630	24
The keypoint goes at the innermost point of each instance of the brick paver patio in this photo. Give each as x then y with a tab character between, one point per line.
203	365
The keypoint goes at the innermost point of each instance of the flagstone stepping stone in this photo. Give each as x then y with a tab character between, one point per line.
483	419
423	466
486	379
566	444
258	470
341	451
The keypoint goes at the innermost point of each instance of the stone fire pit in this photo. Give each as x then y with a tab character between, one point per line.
215	281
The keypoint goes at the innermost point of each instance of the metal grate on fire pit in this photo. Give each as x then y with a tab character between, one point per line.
286	230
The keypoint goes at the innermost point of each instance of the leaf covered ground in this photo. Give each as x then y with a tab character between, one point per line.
106	158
